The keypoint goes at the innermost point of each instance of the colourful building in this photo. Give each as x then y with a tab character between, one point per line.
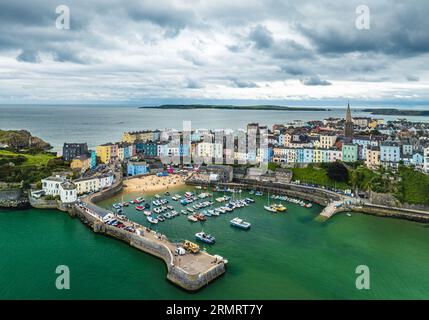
131	137
81	163
136	168
107	152
350	152
390	153
372	157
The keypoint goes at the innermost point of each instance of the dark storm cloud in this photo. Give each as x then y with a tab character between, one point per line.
120	47
395	29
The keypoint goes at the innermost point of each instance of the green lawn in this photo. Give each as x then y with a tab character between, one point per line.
40	159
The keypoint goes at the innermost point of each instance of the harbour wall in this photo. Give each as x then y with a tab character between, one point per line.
392	212
175	274
316	195
326	197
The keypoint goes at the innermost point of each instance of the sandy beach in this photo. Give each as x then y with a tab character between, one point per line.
153	183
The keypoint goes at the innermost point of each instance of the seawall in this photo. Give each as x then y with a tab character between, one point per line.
13	198
162	249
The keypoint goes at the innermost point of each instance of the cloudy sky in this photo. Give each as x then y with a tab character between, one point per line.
184	50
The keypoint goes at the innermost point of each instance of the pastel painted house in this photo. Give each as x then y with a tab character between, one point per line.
350	152
136	168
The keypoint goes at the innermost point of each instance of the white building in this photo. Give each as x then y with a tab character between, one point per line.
86	185
60	186
106	180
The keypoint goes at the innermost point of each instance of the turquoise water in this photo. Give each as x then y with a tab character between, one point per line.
284	256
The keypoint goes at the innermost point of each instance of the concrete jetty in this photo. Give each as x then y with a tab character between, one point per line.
190	271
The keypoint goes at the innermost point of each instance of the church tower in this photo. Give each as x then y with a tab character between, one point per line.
348	125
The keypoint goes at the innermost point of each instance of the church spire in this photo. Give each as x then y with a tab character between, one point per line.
348	113
348	125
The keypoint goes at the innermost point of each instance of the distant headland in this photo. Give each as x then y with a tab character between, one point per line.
233	107
397	112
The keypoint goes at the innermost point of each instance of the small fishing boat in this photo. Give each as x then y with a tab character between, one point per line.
221	210
167	215
192	218
259	193
207	238
146	205
147	213
279	207
140	208
240	223
116	206
184	212
190	210
200	217
152	220
206	213
167	193
160	218
178	196
348	214
270	208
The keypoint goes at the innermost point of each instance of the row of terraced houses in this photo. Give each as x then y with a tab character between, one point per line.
365	139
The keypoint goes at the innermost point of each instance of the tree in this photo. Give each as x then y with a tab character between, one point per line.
338	172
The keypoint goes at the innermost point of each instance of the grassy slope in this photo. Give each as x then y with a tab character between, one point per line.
316	176
40	159
415	186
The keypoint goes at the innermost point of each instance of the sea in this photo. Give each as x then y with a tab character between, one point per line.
290	255
97	124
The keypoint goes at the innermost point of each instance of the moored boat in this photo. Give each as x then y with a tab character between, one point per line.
200	217
207	238
192	218
152	220
240	223
139	208
270	208
147	213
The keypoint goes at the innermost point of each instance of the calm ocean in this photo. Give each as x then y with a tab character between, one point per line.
96	124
